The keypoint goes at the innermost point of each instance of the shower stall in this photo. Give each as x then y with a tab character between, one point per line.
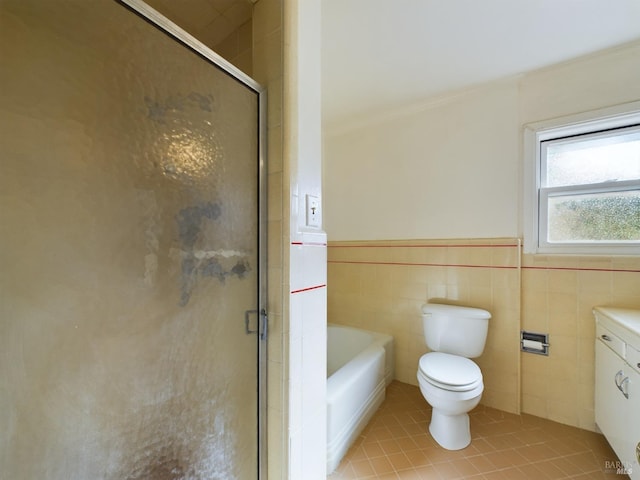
132	249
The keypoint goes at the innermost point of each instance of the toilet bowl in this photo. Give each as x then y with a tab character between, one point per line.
452	387
449	380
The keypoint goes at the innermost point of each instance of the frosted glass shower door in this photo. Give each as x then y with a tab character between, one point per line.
130	250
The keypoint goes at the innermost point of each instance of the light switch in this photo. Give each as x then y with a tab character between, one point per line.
314	215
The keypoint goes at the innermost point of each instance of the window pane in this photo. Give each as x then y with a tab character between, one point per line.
612	217
611	156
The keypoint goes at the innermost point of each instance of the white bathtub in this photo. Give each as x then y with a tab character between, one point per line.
360	365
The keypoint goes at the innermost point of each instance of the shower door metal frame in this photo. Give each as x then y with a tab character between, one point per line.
151	15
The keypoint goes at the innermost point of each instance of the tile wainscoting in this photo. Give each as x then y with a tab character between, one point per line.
380	286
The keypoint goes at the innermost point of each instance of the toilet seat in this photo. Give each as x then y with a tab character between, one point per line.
450	372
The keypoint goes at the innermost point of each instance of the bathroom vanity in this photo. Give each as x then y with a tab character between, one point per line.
617	389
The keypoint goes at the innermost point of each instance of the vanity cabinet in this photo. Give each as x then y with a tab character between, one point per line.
617	389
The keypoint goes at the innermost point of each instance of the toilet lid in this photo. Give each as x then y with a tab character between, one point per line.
450	371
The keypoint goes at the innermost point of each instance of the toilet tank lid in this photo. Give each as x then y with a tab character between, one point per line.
468	312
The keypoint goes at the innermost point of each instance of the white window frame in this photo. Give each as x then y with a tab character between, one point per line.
534	217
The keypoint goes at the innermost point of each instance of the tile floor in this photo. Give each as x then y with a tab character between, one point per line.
396	445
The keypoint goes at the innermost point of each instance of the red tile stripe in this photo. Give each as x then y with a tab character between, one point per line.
583	269
308	288
407	264
470	245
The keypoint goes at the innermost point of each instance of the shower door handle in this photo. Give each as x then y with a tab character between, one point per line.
265	324
247	319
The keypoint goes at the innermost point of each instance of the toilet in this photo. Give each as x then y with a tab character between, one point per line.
449	381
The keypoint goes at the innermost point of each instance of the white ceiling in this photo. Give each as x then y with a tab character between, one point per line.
381	54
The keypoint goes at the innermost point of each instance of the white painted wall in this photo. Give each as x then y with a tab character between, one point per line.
306	339
451	168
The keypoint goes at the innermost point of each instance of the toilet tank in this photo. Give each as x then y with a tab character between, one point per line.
454	329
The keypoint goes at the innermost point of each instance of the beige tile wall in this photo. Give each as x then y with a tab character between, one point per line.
381	285
237	48
267	66
210	22
226	28
558	295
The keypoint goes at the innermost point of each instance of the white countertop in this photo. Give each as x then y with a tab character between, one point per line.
624	322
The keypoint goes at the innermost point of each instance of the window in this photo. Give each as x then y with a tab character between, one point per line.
583	184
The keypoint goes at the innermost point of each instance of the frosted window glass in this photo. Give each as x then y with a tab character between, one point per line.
612	217
601	158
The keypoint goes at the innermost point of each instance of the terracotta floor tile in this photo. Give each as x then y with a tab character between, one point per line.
437	454
415	428
368	436
465	468
428	472
584	461
397	445
532	471
482	446
380	434
399	461
448	470
497	475
373	450
550	470
537	453
500	442
567	446
499	460
387	476
481	463
357	453
418	458
420	416
390	446
362	469
404	418
424	440
566	466
398	431
407	444
382	465
409	475
390	421
532	436
512	473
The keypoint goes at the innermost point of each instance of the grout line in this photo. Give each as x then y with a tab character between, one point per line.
407	264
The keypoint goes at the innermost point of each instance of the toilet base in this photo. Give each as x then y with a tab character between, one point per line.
450	431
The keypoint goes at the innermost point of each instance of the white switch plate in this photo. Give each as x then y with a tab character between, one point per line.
314	214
